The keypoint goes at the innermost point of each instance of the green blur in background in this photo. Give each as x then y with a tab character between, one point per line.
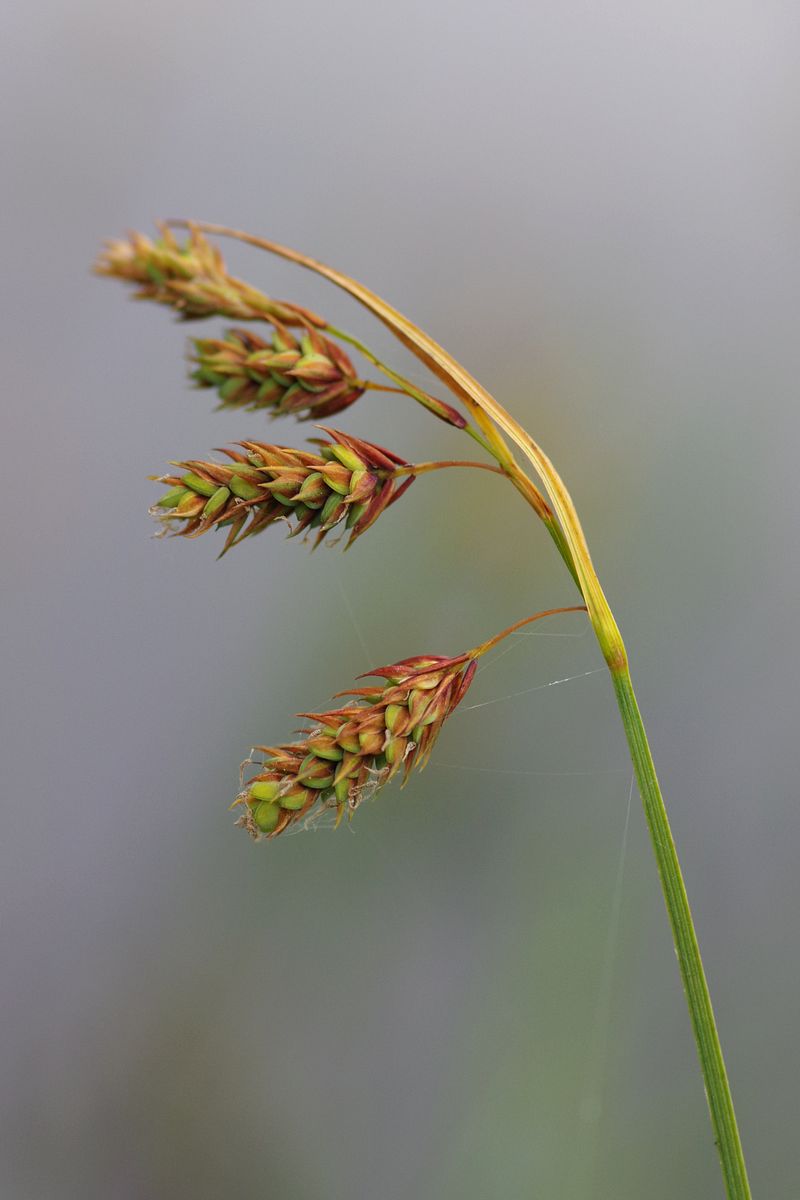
470	992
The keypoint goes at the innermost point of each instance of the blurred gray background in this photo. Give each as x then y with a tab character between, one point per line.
472	992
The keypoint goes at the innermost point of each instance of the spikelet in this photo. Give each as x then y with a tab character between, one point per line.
309	376
351	752
192	279
349	483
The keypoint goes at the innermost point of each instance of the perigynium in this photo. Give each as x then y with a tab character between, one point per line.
300	368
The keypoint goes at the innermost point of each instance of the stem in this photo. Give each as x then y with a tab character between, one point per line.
408	389
718	1094
488	443
404	385
489	439
562	546
498	637
523	485
423	468
486	435
369	385
532	495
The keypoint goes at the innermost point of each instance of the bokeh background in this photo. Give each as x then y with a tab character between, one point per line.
472	992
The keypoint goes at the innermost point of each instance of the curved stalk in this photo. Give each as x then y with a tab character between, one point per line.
477	651
425	467
575	552
523	485
531	494
709	1050
485	435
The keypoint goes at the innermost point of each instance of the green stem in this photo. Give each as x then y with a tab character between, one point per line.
526	488
425	467
487	437
404	385
718	1094
556	533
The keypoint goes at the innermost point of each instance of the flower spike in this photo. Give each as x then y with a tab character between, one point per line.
350	752
309	376
348	482
192	278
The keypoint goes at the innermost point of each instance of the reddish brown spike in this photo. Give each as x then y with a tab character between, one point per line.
365	743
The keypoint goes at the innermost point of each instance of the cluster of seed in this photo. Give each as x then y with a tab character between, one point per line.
192	278
350	752
308	375
349	482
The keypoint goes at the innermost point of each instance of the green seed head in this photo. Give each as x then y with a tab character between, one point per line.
264	483
351	752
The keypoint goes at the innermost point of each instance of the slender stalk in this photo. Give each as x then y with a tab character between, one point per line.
485	434
493	444
369	385
531	494
521	483
507	466
425	467
404	385
491	642
718	1094
490	439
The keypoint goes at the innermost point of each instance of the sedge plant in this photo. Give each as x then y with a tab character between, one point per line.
296	363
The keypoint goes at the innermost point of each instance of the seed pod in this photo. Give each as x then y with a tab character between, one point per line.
314	491
217	502
266	790
242	488
172	498
203	487
267	815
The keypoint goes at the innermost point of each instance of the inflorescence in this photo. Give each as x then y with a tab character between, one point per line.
343	483
352	751
349	483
